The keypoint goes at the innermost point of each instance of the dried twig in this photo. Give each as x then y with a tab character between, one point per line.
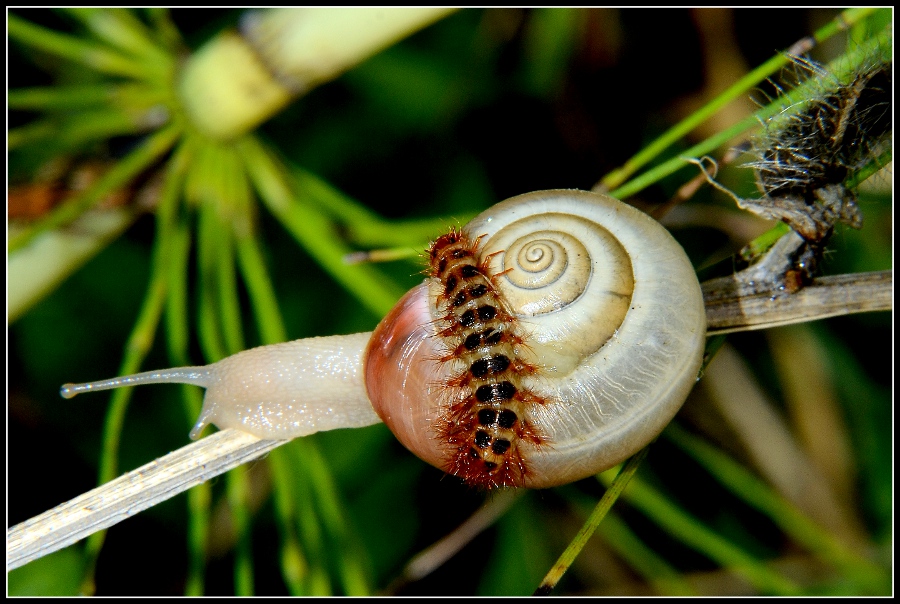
729	311
729	306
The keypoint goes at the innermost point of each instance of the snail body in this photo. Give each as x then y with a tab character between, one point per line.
557	334
280	391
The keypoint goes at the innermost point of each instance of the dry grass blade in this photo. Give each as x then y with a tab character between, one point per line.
825	297
131	493
772	447
432	557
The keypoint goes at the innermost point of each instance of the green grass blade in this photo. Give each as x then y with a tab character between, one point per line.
619	537
136	349
363	226
294	566
199	498
578	542
59	97
749	488
164	29
120	28
262	294
212	240
314	231
227	294
209	325
130	166
170	228
238	486
655	569
840	68
694	534
309	525
73	133
332	513
73	49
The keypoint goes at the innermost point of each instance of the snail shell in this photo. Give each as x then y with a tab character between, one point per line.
559	332
608	320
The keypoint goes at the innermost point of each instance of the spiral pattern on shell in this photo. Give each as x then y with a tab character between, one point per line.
605	316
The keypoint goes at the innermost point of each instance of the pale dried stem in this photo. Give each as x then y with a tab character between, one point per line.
728	310
131	493
426	561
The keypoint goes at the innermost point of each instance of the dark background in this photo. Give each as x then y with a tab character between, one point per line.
445	123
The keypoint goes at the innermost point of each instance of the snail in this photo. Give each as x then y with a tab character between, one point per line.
556	335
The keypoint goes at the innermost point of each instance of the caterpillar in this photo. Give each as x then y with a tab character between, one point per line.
487	401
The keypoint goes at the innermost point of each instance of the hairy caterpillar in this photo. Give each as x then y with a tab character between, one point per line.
487	414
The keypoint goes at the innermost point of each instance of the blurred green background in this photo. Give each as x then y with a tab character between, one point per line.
481	106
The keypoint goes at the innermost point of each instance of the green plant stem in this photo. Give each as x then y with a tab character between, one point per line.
117	176
199	498
313	231
227	294
692	533
139	342
121	29
165	30
170	225
95	56
332	514
294	566
238	486
870	169
177	330
659	573
33	131
213	238
71	134
221	196
309	526
587	530
794	99
234	195
761	244
619	537
211	340
262	294
65	97
363	226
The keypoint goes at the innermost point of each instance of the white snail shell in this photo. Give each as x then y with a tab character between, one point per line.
613	315
608	329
